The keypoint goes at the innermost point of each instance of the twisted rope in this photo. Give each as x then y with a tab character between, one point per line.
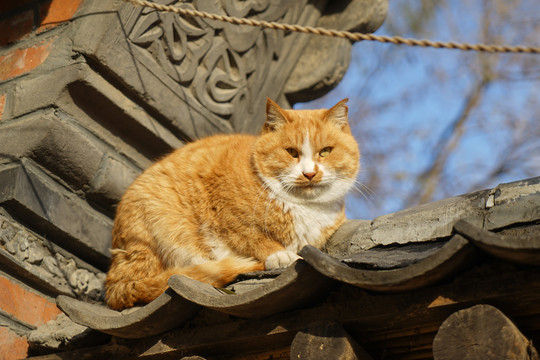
353	36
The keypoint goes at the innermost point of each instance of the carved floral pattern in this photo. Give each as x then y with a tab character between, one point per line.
176	43
222	65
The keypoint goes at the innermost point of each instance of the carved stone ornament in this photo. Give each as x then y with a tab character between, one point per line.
27	252
225	70
208	76
218	63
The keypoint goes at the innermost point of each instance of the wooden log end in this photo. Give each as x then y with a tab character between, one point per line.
481	332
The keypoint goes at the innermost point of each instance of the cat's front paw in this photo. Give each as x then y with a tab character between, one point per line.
280	259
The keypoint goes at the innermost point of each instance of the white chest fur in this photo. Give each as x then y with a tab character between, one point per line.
310	220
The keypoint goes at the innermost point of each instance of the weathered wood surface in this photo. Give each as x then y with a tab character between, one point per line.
398	326
326	340
481	332
453	256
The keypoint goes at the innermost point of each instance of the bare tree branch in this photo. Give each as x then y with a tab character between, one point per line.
430	178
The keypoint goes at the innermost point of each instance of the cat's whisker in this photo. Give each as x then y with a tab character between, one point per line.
363	189
366	191
355	187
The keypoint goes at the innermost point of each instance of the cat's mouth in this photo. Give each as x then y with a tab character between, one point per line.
308	185
310	188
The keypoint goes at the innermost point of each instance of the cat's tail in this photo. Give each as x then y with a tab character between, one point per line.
127	291
219	272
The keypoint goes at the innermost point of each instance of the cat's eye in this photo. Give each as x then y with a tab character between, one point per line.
292	152
325	152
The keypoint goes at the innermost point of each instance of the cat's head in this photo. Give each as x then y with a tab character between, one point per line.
307	155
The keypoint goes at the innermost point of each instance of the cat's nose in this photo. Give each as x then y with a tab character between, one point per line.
309	175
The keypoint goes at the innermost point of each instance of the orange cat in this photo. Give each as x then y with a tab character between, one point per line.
230	204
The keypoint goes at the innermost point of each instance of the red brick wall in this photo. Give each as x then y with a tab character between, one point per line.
22	60
28	30
25	24
26	18
26	307
12	346
2	104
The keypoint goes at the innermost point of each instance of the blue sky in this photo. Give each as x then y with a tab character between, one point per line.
400	114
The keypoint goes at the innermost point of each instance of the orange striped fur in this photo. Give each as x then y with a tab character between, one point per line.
229	204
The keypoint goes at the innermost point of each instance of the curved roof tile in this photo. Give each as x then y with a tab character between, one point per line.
151	319
519	249
448	259
298	285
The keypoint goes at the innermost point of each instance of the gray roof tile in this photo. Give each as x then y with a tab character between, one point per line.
447	260
399	252
151	319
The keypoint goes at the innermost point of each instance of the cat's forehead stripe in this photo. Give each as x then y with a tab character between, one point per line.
306	145
306	161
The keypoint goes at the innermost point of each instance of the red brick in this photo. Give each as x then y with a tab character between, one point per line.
12	346
56	12
2	105
21	61
16	27
24	305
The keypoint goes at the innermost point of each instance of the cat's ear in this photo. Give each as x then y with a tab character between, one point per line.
274	116
338	114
